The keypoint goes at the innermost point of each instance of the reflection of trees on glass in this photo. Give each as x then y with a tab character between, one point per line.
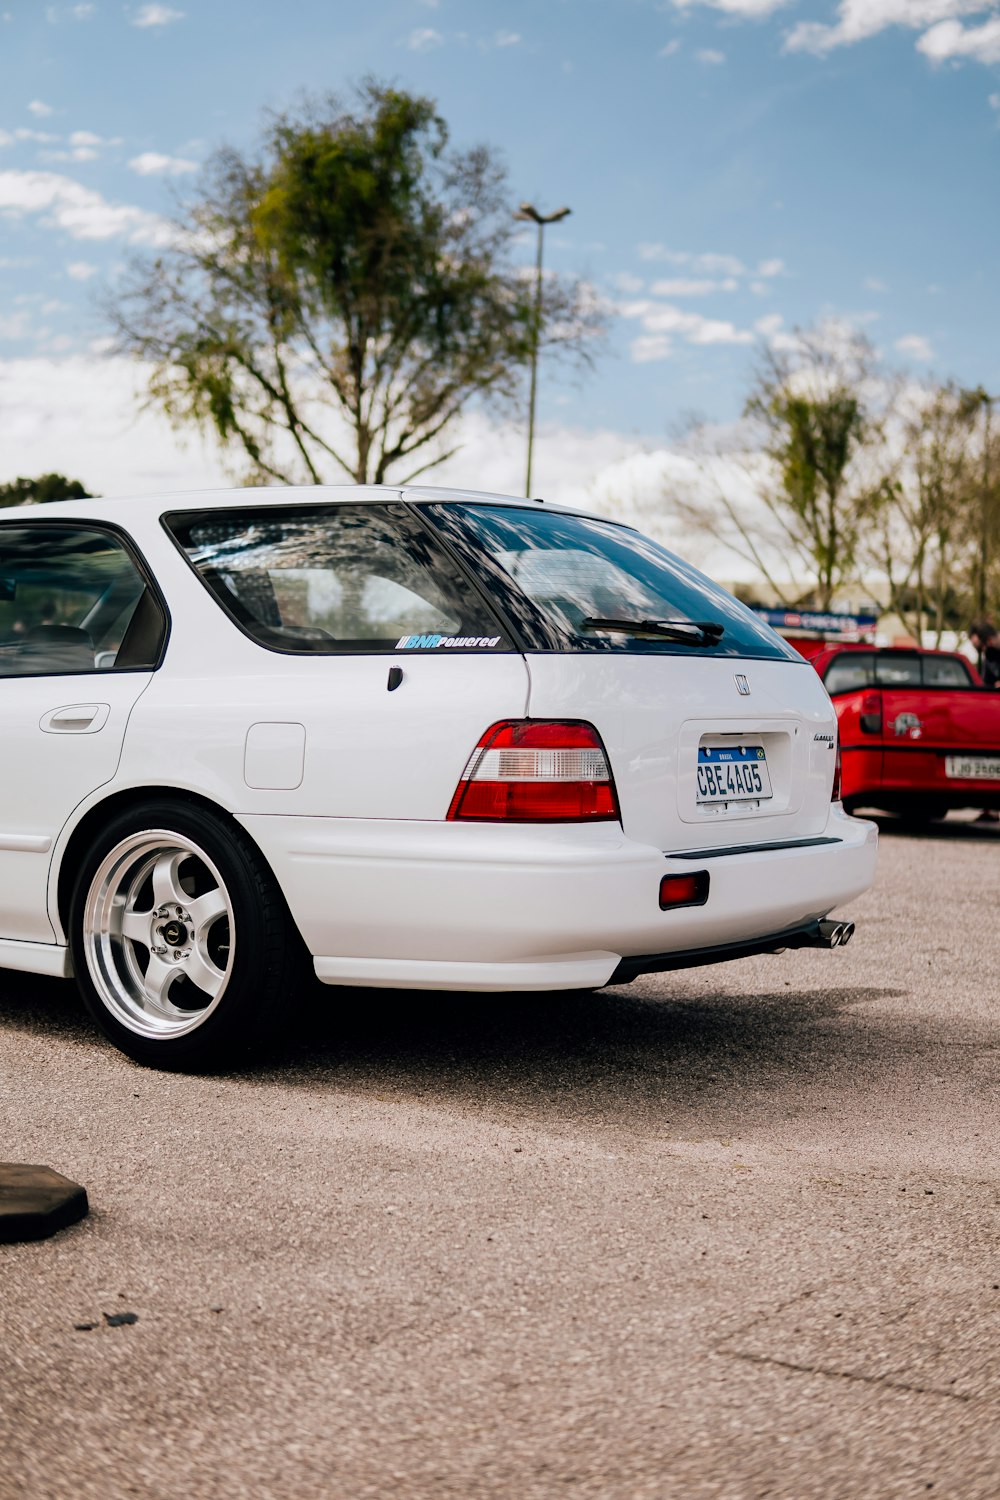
345	573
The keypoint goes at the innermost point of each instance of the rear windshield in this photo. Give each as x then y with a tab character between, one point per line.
581	584
860	669
337	579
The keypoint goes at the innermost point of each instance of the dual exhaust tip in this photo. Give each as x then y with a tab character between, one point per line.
834	934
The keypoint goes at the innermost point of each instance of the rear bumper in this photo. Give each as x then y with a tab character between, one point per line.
472	906
694	958
900	777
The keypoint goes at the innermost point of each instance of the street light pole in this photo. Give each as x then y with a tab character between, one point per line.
528	211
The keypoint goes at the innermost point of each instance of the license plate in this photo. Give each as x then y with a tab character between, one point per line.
733	773
972	767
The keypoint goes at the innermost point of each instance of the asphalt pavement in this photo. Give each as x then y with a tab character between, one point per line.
724	1233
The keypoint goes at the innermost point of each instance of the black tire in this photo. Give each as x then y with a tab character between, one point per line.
237	969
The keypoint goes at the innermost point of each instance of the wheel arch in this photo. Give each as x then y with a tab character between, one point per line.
95	817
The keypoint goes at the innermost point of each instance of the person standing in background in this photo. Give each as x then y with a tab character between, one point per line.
984	636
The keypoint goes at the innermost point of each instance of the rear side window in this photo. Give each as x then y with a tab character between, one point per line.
573	583
72	600
860	669
337	579
847	673
946	671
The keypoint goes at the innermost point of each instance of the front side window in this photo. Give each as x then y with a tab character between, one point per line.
591	585
335	579
72	600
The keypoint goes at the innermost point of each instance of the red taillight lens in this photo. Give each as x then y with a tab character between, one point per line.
537	771
871	713
837	774
684	890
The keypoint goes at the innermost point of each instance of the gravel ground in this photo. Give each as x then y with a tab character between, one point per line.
731	1233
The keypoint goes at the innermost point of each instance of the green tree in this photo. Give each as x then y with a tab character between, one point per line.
812	410
331	304
38	491
796	489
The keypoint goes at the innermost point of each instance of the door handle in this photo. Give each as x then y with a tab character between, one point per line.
75	718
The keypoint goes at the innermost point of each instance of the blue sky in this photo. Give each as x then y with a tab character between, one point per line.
734	167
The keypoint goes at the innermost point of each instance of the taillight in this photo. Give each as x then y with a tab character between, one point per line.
537	771
838	768
871	713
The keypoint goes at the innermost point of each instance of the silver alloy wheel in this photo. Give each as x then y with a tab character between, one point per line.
158	934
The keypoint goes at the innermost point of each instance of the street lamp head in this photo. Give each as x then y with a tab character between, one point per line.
529	211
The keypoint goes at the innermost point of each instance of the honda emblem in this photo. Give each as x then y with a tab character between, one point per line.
742	686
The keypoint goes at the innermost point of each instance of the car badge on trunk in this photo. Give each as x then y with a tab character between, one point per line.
742	686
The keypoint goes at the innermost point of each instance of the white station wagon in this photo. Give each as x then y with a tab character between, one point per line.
428	739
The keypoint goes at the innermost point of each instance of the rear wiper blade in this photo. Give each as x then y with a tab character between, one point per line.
694	632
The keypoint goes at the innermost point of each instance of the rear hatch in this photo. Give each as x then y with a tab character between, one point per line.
717	732
689	749
934	724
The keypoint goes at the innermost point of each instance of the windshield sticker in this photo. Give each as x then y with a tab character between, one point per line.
432	642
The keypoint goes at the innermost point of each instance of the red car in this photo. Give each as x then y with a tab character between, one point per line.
919	733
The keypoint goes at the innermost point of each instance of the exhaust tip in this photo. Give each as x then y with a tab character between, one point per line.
846	933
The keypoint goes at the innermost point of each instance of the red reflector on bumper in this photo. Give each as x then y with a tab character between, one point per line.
684	890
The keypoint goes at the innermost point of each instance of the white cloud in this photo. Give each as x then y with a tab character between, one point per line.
6	139
157	15
649	347
681	286
83	12
857	20
38	109
626	282
80	270
79	211
670	48
664	319
915	346
15	326
81	153
708	263
42	136
710	56
771	268
950	39
767	327
152	164
752	9
423	39
505	39
81	416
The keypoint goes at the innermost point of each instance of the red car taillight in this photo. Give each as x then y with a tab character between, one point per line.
871	713
835	791
537	771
